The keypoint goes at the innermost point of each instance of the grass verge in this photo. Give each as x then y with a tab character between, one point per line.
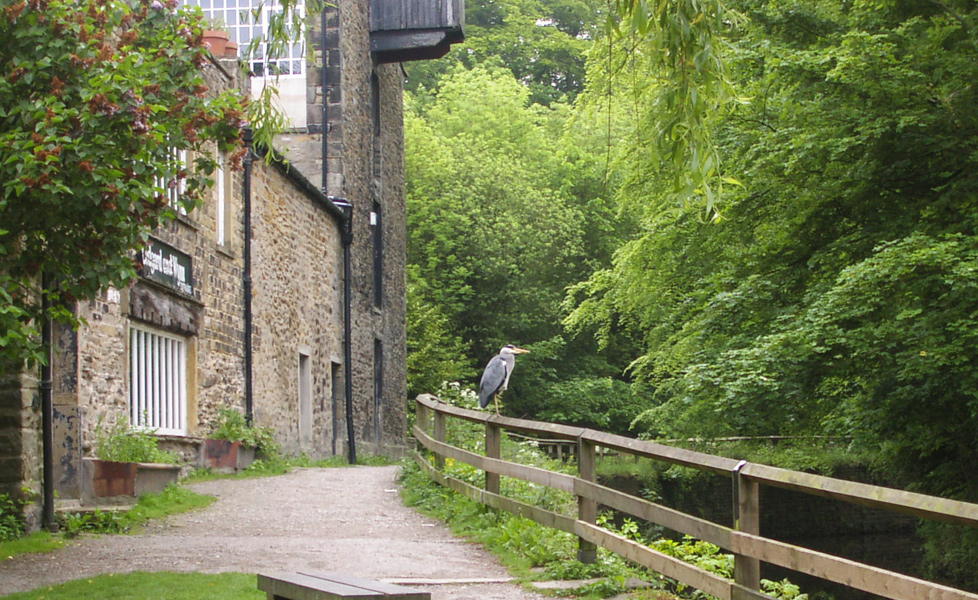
38	543
158	586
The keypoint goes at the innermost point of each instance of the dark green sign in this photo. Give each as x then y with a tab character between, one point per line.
167	265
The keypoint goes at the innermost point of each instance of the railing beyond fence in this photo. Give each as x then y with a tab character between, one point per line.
743	540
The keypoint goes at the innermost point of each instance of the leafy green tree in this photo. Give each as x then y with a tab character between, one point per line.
542	42
498	225
435	355
480	185
856	152
96	100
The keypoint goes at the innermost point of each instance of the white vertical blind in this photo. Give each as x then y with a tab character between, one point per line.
219	177
158	381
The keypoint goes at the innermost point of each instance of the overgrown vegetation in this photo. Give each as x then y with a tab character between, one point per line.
233	427
11	517
122	443
173	500
772	204
522	544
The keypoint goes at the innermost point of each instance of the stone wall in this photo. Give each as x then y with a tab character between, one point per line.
91	366
365	165
298	310
297	288
20	439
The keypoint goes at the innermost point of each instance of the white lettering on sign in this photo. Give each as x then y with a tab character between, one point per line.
158	262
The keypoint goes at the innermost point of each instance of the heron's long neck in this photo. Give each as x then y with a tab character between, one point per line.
510	361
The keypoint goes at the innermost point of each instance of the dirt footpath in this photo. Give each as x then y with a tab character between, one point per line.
347	520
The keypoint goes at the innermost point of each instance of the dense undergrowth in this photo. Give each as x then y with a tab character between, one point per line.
533	551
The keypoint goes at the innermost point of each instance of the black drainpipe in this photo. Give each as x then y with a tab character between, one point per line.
47	415
347	239
249	392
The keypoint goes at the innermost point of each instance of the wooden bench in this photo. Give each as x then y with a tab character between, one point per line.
332	586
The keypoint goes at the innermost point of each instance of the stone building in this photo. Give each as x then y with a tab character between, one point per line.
283	296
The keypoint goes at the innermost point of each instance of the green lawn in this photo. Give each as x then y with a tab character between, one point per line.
151	586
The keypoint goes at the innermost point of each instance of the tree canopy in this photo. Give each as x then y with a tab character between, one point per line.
836	140
97	99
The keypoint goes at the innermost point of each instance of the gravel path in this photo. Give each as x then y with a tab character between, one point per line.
347	520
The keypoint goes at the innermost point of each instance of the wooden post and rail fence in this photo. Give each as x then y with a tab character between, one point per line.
743	540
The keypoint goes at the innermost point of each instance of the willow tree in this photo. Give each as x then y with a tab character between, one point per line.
680	47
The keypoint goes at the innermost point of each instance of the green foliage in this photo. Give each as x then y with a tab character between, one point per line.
122	443
542	43
837	295
139	586
95	99
488	263
73	524
784	590
950	553
679	47
232	426
172	500
603	403
701	554
11	517
435	355
708	557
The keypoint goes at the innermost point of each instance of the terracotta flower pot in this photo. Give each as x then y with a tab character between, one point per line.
216	41
108	482
223	455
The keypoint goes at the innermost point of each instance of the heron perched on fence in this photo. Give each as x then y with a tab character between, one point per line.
496	376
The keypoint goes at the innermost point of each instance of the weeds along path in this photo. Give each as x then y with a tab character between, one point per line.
347	520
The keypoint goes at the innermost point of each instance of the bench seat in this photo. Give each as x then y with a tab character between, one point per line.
332	586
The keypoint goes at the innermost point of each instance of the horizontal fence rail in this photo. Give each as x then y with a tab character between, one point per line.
743	540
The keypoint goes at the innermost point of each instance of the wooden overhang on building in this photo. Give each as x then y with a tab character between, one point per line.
406	30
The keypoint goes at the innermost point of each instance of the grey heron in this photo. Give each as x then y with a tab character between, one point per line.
496	376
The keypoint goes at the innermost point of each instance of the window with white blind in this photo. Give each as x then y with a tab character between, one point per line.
221	193
173	186
158	381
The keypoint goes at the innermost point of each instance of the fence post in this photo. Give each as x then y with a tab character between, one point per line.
747	518
494	434
421	421
441	434
587	509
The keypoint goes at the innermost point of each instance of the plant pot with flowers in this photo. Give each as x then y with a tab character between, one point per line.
233	443
128	463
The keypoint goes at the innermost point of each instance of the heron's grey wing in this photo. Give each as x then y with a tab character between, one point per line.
492	379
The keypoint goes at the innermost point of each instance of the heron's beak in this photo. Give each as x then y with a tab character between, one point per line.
520	351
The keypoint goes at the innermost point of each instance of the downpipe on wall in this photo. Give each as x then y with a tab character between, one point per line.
347	240
48	518
246	278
